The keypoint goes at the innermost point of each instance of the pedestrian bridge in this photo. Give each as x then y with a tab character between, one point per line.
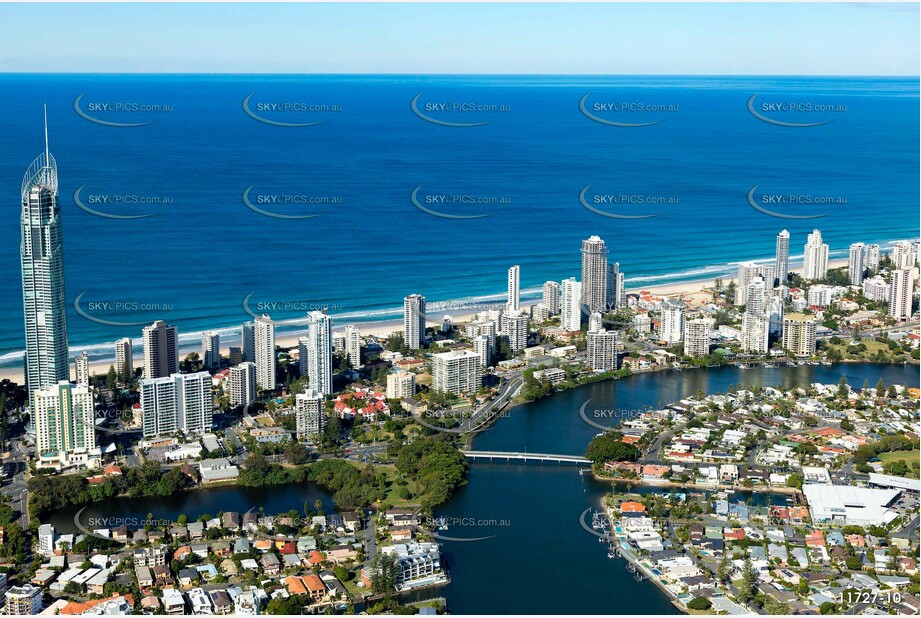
513	456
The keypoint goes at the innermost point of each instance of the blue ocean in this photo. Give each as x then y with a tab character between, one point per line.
189	198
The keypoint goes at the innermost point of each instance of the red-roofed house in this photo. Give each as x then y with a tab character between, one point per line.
815	539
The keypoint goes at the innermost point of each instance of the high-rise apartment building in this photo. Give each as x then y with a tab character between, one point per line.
181	402
594	274
514	289
746	273
65	426
551	297
601	350
242	384
697	336
320	352
855	260
161	350
248	342
309	417
264	333
571	305
82	369
124	358
515	327
672	321
211	350
781	258
799	334
414	321
400	385
353	346
616	298
900	294
457	372
815	257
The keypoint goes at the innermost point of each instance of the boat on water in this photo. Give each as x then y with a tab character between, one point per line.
791	364
631	567
741	365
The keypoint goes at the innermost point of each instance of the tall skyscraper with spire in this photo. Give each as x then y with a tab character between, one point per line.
42	262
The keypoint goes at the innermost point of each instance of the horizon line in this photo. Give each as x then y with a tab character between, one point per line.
465	74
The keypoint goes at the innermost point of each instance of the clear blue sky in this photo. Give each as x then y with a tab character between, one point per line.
710	38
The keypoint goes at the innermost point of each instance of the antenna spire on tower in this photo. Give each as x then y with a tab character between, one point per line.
47	159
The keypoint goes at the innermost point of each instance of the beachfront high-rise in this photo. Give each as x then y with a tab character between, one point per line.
414	321
124	359
571	305
309	417
594	274
42	264
303	354
514	289
871	258
903	254
211	350
248	342
900	294
82	369
551	297
615	287
264	334
178	402
161	350
781	258
65	434
320	352
815	257
855	263
242	384
748	271
353	346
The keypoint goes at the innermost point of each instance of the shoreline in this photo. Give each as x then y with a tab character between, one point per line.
638	565
691	290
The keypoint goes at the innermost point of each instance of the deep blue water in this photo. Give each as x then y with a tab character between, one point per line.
204	251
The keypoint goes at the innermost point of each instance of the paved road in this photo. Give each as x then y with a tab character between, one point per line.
371	538
507	389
